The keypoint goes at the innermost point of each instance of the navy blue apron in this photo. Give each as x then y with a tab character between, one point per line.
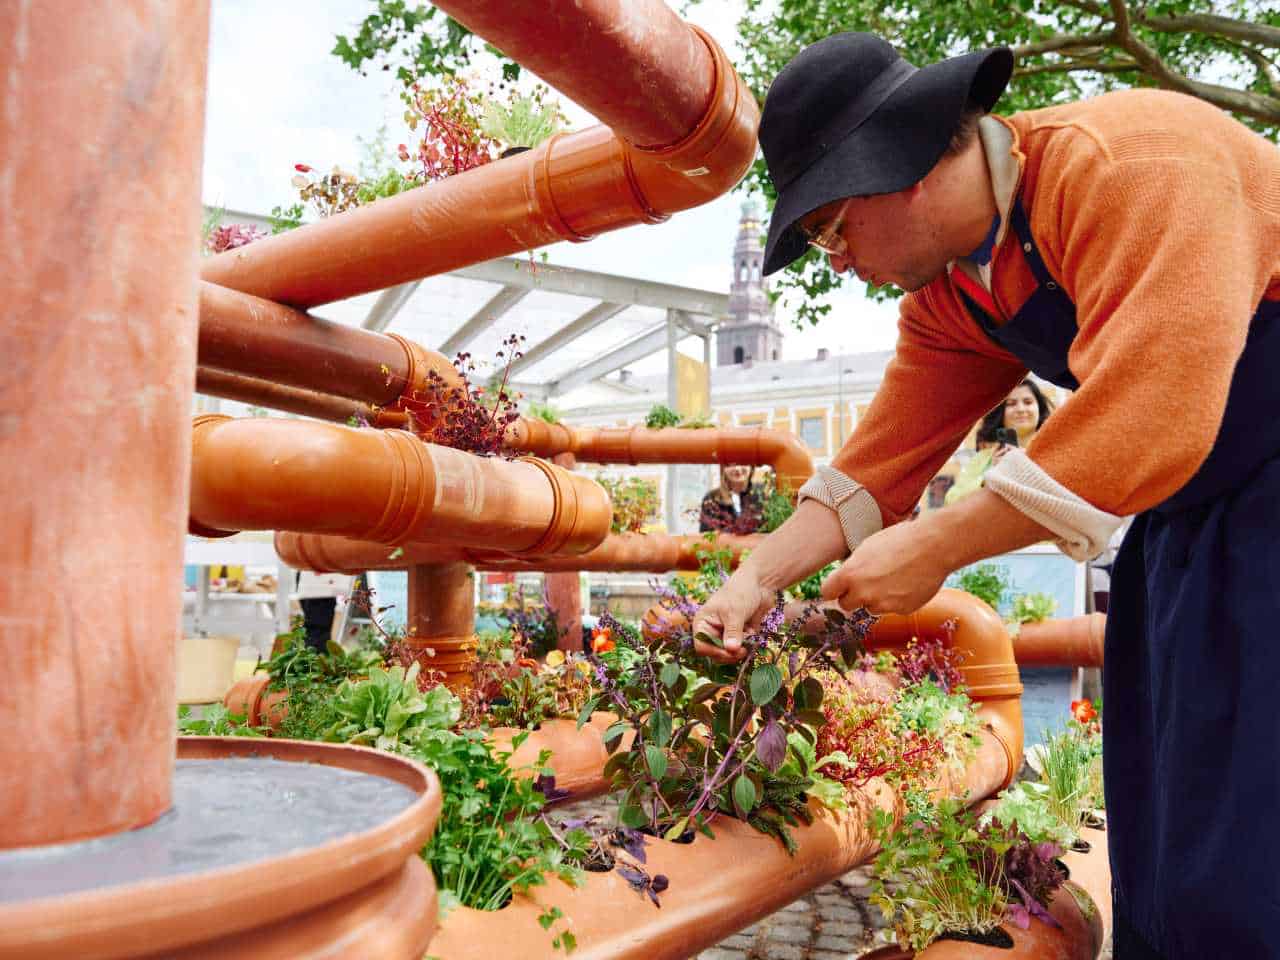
1191	721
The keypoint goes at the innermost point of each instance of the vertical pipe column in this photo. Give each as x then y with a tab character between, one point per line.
564	590
97	275
442	617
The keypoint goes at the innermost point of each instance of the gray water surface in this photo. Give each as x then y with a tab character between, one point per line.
225	813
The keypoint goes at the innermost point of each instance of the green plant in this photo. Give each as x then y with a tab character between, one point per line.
938	873
310	679
635	502
214	721
543	411
810	588
524	121
1066	759
1026	806
286	218
725	747
388	709
1033	608
776	506
659	416
986	581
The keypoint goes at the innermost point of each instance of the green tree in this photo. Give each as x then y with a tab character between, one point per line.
1223	52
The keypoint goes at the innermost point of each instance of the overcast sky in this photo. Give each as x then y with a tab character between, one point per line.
277	96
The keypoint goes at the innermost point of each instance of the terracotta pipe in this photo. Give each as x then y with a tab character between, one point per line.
619	552
267	341
756	446
990	673
633	64
307	403
572	187
384	485
98	277
1062	642
442	616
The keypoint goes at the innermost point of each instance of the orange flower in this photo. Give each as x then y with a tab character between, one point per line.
1083	712
602	640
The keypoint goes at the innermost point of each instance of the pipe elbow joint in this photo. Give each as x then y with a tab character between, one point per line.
582	513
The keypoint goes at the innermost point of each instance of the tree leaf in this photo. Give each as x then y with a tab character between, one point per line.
766	681
744	795
660	727
676	832
588	708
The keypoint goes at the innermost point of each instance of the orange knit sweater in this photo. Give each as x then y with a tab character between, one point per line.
1159	216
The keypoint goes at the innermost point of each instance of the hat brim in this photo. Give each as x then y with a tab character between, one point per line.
894	148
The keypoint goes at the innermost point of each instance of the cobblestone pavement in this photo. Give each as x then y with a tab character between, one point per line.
835	922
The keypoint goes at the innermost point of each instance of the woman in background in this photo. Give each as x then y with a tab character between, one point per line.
1011	424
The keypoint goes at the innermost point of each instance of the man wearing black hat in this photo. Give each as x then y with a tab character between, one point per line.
1126	248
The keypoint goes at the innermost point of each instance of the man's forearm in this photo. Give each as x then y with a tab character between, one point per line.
809	540
979	526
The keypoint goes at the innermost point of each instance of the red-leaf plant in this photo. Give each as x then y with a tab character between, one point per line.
711	739
467	416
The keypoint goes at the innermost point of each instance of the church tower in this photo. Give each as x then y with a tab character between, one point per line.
750	331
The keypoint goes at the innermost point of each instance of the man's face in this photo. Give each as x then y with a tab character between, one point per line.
887	238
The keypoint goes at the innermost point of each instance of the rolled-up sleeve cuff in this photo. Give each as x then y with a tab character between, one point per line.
852	503
1083	530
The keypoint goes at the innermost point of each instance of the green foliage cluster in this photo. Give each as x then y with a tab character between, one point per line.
1032	608
543	411
660	416
635	502
938	873
987	581
215	720
525	121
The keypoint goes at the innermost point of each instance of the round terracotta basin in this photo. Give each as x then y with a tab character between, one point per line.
274	849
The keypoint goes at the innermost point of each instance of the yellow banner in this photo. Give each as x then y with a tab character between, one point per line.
693	387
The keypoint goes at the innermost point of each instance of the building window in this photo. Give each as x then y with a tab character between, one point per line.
755	271
813	432
775	354
738	354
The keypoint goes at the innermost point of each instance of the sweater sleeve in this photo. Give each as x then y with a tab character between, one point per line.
1161	258
945	374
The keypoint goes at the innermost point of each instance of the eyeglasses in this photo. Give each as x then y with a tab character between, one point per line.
829	239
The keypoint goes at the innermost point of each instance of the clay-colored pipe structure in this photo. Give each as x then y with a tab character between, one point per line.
633	64
384	485
618	553
277	344
753	446
91	524
990	673
1062	642
307	403
571	187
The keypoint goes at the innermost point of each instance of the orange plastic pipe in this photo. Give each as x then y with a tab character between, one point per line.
308	403
1062	642
635	65
617	553
95	497
638	444
268	341
572	187
384	485
990	673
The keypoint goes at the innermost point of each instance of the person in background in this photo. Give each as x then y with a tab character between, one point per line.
317	595
1022	413
731	503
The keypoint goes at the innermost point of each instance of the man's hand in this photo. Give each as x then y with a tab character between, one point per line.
731	609
897	570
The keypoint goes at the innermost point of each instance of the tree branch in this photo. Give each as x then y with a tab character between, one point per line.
1255	105
1207	23
1087	6
1071	66
1063	42
1266	67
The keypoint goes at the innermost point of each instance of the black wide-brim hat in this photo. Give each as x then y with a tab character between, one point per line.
848	117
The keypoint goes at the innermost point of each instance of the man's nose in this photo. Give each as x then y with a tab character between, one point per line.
839	262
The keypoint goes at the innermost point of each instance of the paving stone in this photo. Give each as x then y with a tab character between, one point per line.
850	954
797	906
843	928
739	941
830	941
840	912
782	951
789	933
721	953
